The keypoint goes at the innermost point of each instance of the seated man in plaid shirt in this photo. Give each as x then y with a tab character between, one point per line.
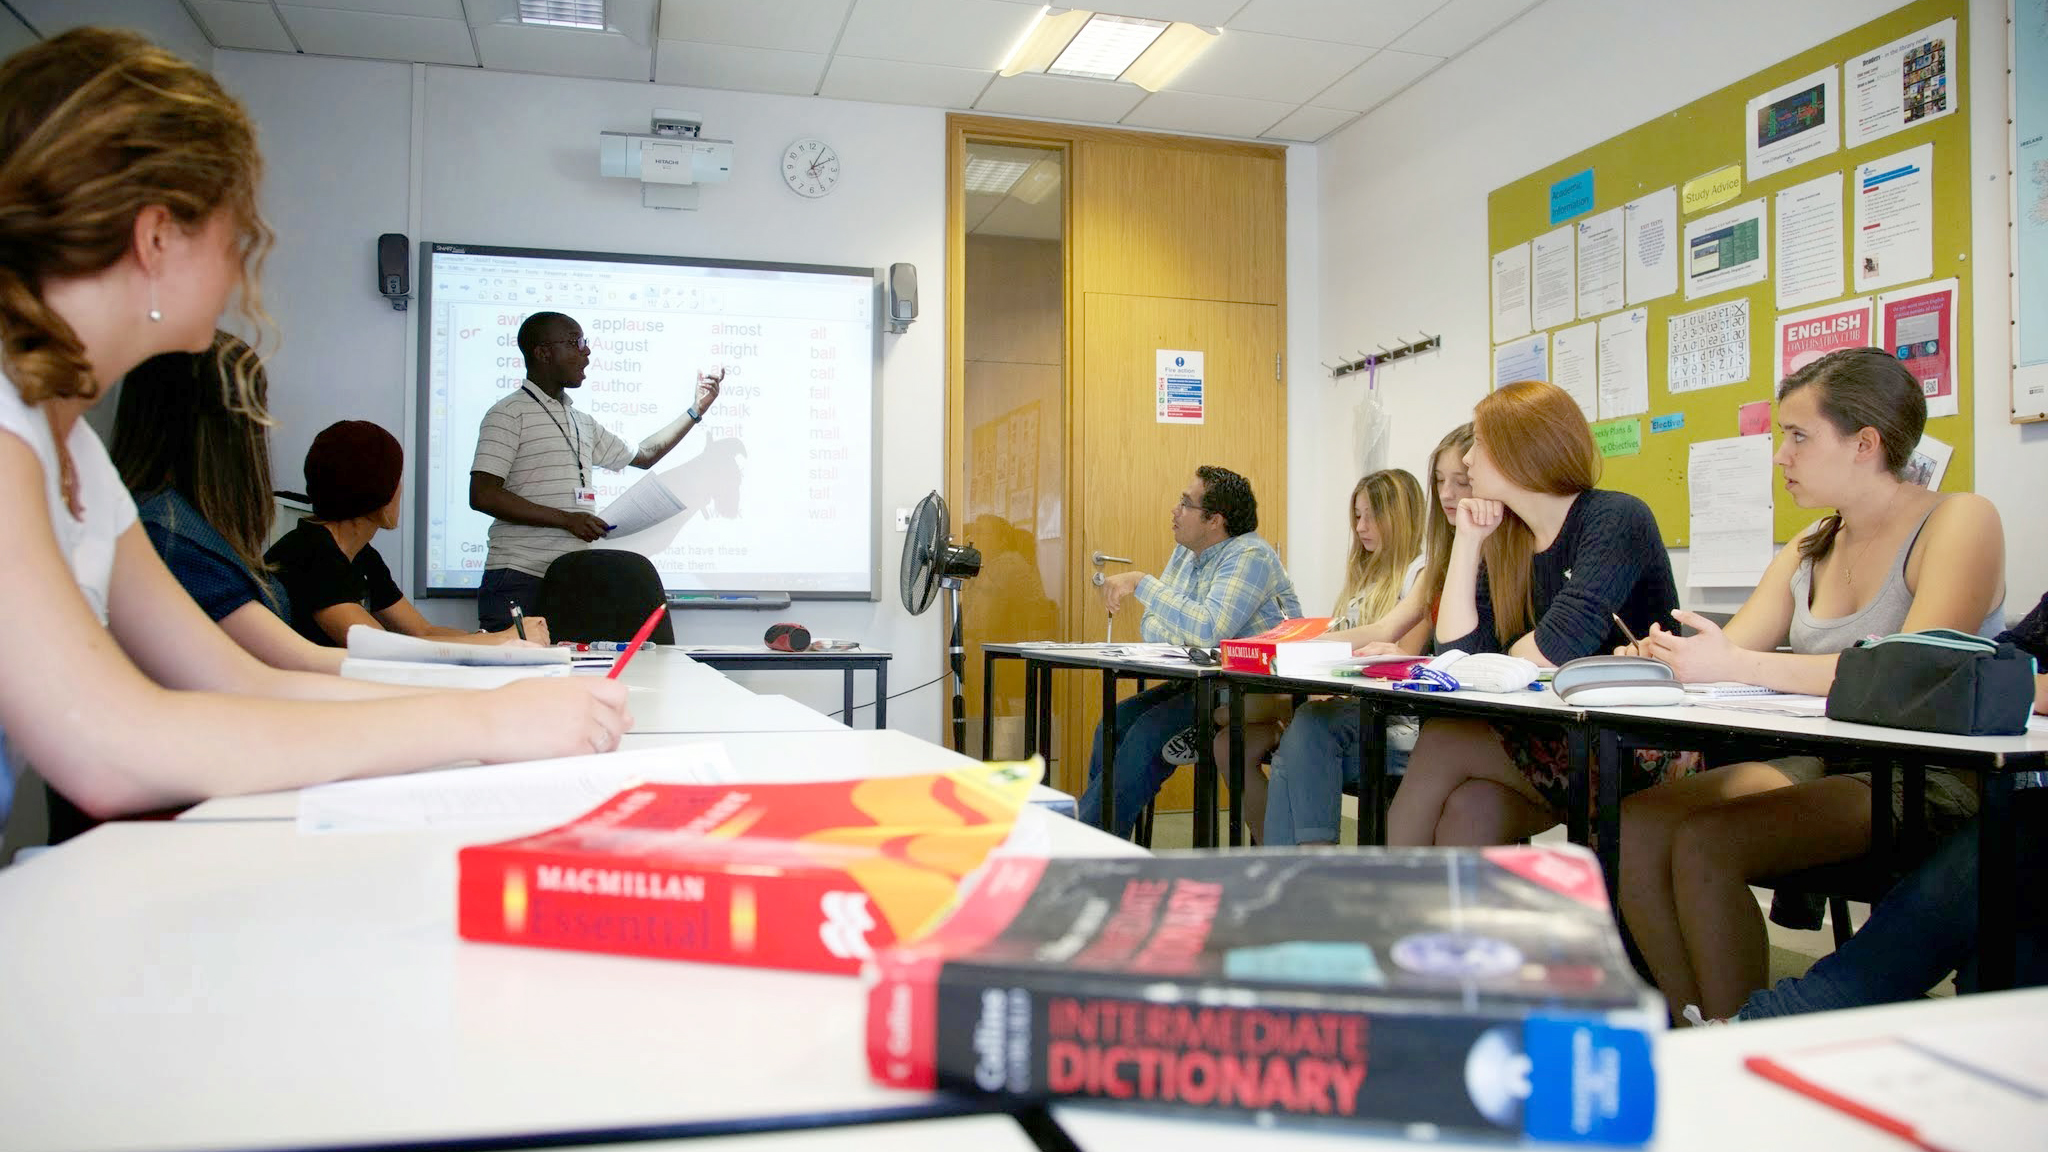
1222	581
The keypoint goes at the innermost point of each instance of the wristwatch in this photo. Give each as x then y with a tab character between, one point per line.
694	415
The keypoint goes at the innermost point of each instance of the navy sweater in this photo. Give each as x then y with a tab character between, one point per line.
1607	559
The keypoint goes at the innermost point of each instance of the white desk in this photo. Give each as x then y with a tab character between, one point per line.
757	757
238	985
1706	1099
669	692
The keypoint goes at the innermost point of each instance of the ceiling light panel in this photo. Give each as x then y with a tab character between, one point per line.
586	14
987	174
1105	46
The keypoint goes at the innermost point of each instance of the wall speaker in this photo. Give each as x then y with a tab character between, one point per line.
902	296
393	276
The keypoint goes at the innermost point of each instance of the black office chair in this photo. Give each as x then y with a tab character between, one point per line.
602	594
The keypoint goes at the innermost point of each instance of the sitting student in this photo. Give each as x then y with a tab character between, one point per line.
1222	581
336	580
1385	560
1926	927
200	473
1318	755
128	216
1892	557
1541	565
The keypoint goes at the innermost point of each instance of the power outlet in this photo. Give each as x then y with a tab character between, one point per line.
903	519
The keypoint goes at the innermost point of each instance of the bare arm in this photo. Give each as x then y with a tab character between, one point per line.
402	616
664	441
110	731
1956	577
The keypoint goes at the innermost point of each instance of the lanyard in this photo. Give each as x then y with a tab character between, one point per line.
575	445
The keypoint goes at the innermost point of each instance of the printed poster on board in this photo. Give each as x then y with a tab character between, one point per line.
1180	386
1919	327
1904	83
1792	123
1804	337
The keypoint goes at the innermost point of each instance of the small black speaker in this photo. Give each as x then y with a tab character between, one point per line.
393	278
902	294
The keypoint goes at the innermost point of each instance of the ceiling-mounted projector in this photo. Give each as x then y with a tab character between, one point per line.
671	151
663	159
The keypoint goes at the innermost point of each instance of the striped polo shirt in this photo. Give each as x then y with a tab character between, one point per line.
539	448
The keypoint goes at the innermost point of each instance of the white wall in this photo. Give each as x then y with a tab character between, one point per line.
511	159
1404	247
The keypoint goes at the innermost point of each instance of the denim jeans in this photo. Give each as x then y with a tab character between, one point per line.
1316	759
1925	928
500	590
1144	723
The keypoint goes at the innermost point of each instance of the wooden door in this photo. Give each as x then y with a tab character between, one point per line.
1129	468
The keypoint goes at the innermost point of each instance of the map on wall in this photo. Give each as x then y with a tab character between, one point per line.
2030	178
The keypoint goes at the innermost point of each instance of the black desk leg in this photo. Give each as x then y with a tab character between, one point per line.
1236	768
882	696
1045	711
1031	745
1205	763
1997	893
988	703
1607	817
848	688
1109	739
1578	794
1372	773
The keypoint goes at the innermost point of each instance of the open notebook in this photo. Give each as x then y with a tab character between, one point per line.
367	643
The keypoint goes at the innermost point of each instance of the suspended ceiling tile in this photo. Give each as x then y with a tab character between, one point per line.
1373	82
1460	24
1374	23
696	65
1309	124
1206	12
897	82
1209	115
380	36
958	33
1060	98
1262	67
563	52
790	25
238	24
441	9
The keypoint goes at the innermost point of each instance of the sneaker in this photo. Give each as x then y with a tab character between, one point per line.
1694	1019
1181	748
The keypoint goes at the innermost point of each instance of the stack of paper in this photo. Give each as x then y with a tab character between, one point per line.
367	643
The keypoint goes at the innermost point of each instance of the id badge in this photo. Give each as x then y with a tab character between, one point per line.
586	500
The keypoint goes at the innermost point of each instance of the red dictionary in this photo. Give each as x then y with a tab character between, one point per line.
1258	653
809	876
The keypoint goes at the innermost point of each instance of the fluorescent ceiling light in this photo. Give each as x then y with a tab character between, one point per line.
1042	181
588	14
1174	50
994	176
1049	33
1105	46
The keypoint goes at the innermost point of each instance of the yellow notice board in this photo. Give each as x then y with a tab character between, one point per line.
1724	189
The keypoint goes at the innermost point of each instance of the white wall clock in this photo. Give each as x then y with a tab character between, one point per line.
810	168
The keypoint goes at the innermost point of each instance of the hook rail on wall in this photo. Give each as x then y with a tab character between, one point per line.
1366	361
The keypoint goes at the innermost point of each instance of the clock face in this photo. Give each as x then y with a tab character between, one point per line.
810	168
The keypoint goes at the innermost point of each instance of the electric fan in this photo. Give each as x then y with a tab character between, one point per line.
932	561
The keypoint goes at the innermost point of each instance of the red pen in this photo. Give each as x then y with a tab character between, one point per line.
639	638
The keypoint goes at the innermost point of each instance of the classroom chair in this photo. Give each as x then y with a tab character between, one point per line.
602	594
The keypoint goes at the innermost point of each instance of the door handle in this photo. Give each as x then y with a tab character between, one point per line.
1102	558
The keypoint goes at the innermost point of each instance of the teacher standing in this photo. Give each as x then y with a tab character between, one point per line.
534	457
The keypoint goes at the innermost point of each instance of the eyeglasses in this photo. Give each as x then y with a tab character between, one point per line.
581	343
1193	507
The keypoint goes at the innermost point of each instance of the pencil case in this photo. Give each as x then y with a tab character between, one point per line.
1939	680
1617	681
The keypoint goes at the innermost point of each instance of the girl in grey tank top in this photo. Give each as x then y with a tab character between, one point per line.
1885	614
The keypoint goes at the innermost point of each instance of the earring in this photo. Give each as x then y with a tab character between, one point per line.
156	315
